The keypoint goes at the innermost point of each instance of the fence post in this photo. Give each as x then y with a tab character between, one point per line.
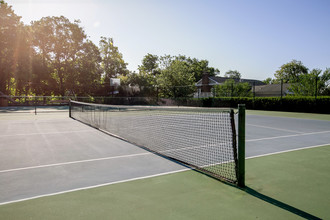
35	105
70	108
281	88
241	145
315	87
254	93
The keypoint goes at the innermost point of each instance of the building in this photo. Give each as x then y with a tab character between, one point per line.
206	84
272	90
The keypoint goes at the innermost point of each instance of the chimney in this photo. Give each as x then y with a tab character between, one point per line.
205	83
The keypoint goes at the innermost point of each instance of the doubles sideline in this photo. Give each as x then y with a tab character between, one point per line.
137	178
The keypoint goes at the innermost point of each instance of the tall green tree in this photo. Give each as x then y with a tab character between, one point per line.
150	64
173	75
58	41
290	72
233	74
42	81
113	63
312	83
199	67
87	79
232	89
9	28
325	79
145	82
176	80
23	77
267	81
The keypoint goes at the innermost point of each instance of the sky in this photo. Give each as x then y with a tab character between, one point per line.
255	37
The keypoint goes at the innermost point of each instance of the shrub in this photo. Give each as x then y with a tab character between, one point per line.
291	104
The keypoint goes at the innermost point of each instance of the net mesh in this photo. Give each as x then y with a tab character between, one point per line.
204	139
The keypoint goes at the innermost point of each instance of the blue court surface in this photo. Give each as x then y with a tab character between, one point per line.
48	154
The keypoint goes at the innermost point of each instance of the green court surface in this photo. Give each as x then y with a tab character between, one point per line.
278	186
290	114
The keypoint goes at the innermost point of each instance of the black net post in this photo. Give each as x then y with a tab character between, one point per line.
241	145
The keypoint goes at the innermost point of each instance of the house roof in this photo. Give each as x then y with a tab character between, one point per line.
216	80
272	88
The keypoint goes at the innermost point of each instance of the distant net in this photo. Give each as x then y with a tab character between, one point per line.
204	139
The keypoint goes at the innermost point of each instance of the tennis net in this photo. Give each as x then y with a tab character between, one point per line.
202	138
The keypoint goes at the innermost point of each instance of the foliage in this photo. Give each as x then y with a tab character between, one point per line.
144	82
89	71
232	89
290	104
171	76
269	80
307	84
325	82
198	67
9	28
112	60
290	72
59	41
150	64
53	56
176	81
233	74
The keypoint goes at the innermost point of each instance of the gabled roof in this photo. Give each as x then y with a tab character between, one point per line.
272	88
216	80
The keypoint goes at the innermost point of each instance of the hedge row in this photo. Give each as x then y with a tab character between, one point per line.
291	104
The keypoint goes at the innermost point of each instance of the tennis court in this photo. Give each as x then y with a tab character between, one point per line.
63	163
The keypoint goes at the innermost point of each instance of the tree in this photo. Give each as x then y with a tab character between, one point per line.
23	77
325	79
312	83
113	63
233	74
199	67
88	77
150	64
271	81
176	81
173	75
42	81
290	72
145	82
165	61
267	81
58	41
231	89
9	27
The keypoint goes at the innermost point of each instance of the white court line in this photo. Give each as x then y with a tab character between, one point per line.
73	162
42	133
287	151
285	136
139	178
94	186
279	129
